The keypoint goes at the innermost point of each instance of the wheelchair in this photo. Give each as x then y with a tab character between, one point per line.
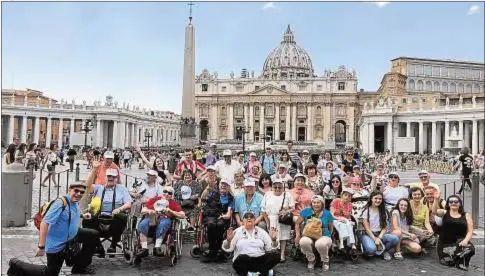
346	252
201	246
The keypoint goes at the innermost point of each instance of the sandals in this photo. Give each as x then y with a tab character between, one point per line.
398	255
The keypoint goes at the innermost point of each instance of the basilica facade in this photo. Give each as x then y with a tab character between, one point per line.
287	100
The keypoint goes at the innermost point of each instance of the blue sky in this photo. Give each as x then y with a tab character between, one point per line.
134	51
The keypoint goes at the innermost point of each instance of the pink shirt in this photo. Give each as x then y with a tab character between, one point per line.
302	198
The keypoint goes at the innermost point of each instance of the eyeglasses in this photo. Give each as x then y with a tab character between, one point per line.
251	216
423	177
335	181
110	176
393	177
349	154
277	187
453	201
167	192
77	191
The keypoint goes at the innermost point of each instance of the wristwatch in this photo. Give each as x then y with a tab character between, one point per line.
41	247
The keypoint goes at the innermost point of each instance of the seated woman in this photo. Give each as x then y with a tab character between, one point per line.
376	240
327	173
322	243
402	218
421	226
254	249
333	190
314	180
393	192
341	209
264	184
454	246
187	194
302	196
359	198
162	220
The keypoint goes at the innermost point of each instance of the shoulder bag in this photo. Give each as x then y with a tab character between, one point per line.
285	219
72	248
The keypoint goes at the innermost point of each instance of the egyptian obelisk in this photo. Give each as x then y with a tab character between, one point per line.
188	125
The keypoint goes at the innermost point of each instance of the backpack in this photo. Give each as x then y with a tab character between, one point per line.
45	208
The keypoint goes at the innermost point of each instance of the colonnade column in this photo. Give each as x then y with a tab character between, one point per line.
293	121
48	132
474	137
132	140
277	122
251	123
59	133
310	122
98	132
230	123
447	132
36	130
23	132
466	135
246	116
421	137
262	130
288	122
389	137
433	137
11	128
114	139
408	129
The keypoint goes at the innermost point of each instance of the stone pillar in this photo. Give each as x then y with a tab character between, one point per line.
371	142
288	122
71	133
246	116
310	122
36	130
11	129
481	134
23	132
114	143
132	140
438	136
48	132
262	130
425	137
99	123
251	123
433	137
460	129
214	124
122	134
421	137
466	135
277	122
408	129
60	132
293	121
447	132
389	137
230	123
474	137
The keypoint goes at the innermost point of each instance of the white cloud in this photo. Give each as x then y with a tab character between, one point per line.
381	4
268	5
473	10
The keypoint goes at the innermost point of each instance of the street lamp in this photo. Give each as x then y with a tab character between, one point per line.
243	131
86	127
148	136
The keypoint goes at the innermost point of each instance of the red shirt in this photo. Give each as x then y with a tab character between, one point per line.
341	209
193	166
172	205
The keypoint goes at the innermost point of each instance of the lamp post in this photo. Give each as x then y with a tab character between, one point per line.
65	131
243	131
86	127
148	136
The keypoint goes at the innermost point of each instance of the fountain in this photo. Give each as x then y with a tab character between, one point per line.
454	143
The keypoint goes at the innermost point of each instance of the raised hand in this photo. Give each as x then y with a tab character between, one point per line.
273	233
96	162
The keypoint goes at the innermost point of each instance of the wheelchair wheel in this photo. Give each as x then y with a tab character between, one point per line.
195	252
173	256
178	243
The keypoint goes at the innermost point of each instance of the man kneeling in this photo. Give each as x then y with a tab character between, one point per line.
161	219
254	249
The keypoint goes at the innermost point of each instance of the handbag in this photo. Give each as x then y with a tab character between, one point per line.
187	203
285	219
313	228
72	248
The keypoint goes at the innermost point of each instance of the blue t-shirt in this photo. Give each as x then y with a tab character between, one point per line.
122	196
254	205
224	199
326	219
58	220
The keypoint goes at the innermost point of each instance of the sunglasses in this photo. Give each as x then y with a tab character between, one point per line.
393	177
77	191
423	177
248	217
335	181
110	176
277	187
453	201
349	154
167	192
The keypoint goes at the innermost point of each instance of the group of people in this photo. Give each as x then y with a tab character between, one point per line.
256	208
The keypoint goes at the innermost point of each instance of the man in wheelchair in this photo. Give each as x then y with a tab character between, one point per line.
158	212
217	213
109	206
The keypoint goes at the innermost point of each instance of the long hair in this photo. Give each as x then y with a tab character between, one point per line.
332	176
11	152
263	177
409	212
461	210
21	148
31	146
381	207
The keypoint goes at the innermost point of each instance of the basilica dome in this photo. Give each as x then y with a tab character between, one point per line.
288	60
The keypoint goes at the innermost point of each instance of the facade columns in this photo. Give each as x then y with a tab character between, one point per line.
71	133
11	129
310	123
421	137
371	137
262	130
60	132
246	116
277	122
132	140
288	123
48	132
408	129
447	132
474	137
251	123
230	125
293	121
481	134
390	138
98	131
23	132
114	143
36	130
466	135
460	129
433	138
438	136
214	125
122	134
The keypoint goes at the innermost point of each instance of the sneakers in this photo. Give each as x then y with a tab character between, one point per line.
463	267
398	256
143	253
157	252
85	270
325	266
387	256
311	266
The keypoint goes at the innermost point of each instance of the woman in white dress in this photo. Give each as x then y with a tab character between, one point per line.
272	207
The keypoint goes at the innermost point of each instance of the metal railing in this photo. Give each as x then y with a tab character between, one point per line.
52	191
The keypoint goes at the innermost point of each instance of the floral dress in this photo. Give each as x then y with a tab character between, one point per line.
316	185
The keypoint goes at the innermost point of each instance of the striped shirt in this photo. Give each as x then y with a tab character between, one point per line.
295	160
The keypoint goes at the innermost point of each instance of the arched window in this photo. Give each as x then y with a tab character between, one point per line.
436	86
453	87
428	86
468	88
420	85
319	110
411	85
461	88
476	88
444	87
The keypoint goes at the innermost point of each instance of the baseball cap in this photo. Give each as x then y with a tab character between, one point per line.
249	183
152	172
394	173
356	167
282	166
421	172
380	165
252	154
78	184
248	214
226	181
213	145
211	168
109	154
348	190
300	175
111	172
227	152
306	151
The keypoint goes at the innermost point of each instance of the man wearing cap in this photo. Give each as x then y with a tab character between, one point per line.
150	188
238	185
228	167
379	179
210	158
268	162
105	165
423	181
115	202
217	213
249	200
282	175
61	224
194	166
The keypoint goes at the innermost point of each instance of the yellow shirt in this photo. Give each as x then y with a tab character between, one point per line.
199	154
420	218
420	185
